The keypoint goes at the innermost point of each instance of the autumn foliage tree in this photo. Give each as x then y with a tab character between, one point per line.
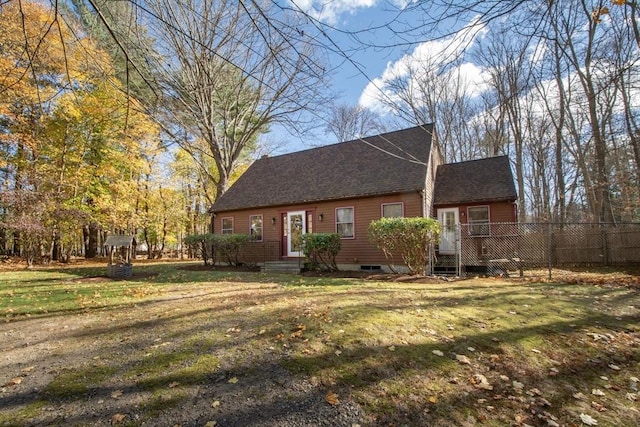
69	132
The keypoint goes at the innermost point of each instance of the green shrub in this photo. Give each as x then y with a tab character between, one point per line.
410	238
228	246
321	250
201	245
214	246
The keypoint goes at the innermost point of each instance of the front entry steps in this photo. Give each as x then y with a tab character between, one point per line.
446	265
291	267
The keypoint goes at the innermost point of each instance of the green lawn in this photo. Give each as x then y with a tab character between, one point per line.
491	351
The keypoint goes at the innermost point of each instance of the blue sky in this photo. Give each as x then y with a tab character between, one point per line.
358	79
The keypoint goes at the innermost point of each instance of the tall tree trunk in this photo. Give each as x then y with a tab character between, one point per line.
559	127
92	240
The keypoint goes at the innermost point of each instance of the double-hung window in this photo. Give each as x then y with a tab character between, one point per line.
478	220
227	225
345	223
393	210
255	222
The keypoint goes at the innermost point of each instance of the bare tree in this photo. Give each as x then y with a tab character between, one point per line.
506	58
233	71
353	121
434	90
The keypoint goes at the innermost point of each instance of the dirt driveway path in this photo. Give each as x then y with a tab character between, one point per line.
181	359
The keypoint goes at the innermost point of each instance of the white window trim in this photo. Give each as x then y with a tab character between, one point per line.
353	222
391	203
262	231
222	224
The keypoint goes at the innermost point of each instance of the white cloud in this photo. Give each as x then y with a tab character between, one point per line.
330	12
428	57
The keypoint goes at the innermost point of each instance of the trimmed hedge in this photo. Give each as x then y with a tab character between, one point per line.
212	246
408	237
321	250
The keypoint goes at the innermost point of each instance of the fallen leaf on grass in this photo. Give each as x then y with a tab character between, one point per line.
28	369
332	398
215	404
211	424
116	394
614	367
13	381
433	399
299	331
463	359
579	396
480	381
117	419
438	353
517	385
597	392
598	407
233	380
588	420
632	397
174	384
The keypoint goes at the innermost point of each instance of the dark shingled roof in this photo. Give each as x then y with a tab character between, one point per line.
389	163
484	180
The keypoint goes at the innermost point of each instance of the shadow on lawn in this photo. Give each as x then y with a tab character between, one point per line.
366	373
355	371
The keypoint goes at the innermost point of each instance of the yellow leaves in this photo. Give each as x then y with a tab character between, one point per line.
117	419
299	331
233	380
597	14
332	398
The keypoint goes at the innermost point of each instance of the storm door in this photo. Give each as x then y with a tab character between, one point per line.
449	221
296	226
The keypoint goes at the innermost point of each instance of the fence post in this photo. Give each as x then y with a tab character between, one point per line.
605	243
549	248
459	249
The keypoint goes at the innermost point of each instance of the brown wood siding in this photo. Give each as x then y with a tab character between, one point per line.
435	160
357	250
498	211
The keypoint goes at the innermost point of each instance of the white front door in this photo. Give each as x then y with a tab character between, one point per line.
449	220
296	226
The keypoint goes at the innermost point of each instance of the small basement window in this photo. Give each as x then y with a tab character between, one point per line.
370	268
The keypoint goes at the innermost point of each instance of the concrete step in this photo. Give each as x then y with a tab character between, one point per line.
292	267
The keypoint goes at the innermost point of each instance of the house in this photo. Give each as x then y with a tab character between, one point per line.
341	188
